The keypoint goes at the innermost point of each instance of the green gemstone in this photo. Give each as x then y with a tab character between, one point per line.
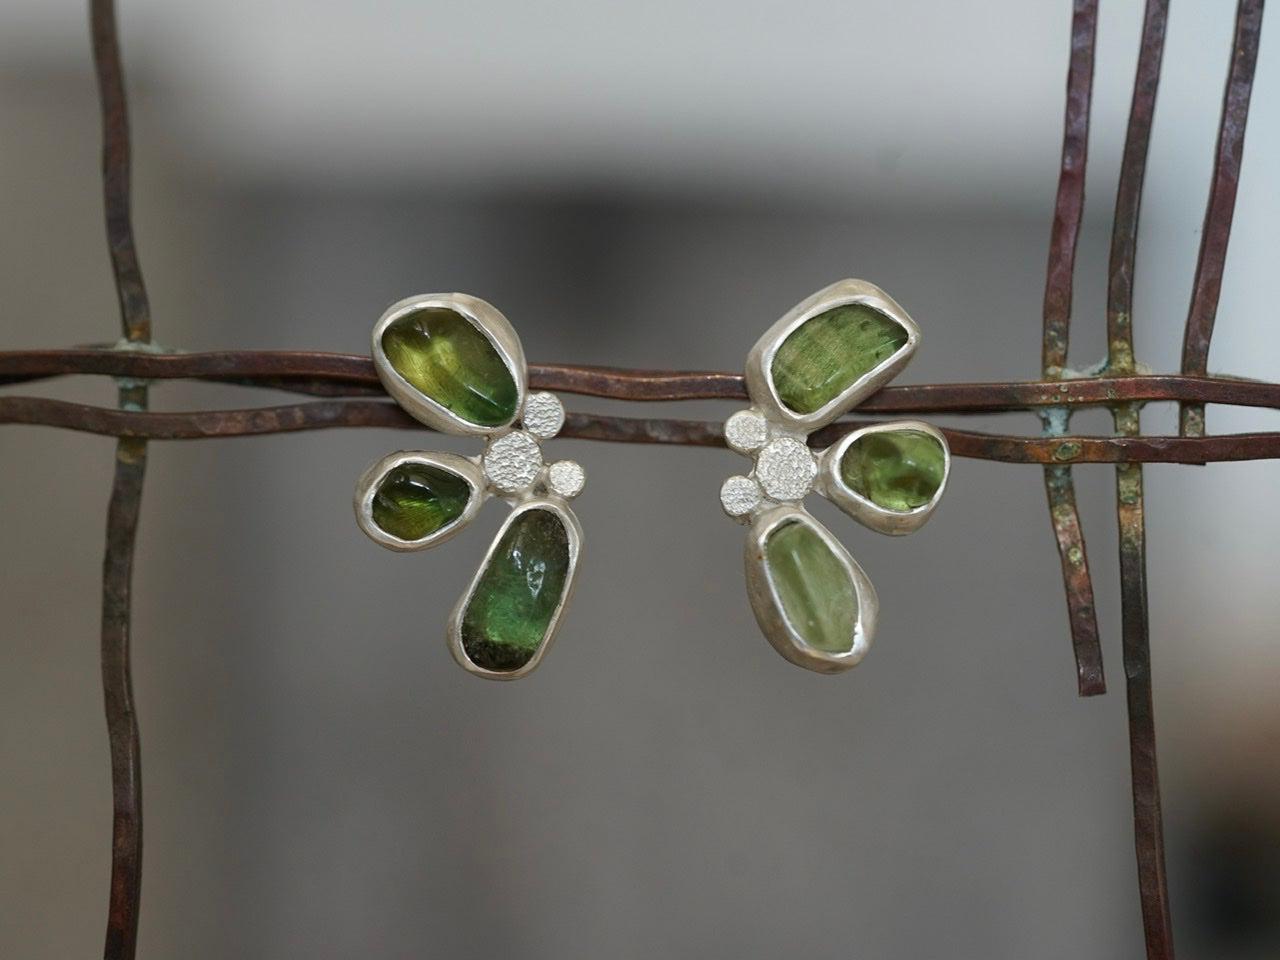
415	500
895	469
826	354
445	355
510	610
813	586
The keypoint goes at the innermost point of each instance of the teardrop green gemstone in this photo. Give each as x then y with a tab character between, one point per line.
519	590
896	469
444	355
813	587
826	354
414	500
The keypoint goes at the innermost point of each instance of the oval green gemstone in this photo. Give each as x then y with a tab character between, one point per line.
898	470
825	355
414	500
518	592
445	355
813	586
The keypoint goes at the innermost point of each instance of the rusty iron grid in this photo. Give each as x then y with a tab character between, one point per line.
353	397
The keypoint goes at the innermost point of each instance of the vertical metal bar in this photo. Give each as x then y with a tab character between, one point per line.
124	505
122	722
1221	206
1068	213
1148	825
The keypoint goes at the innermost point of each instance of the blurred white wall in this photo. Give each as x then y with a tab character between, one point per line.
919	102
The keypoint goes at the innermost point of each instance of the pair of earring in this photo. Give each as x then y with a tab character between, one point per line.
454	362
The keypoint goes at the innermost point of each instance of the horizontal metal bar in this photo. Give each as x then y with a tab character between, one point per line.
321	414
352	374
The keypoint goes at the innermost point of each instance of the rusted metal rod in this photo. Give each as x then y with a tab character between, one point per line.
322	414
1153	885
1064	237
1221	207
341	374
124	505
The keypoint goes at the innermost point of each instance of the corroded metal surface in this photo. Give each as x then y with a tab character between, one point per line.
342	374
1073	554
1221	206
1068	208
321	414
1068	212
1134	625
125	502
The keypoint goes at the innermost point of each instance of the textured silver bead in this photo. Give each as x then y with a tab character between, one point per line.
786	469
512	462
543	415
746	431
566	478
740	496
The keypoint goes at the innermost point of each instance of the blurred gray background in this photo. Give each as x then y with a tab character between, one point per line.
642	185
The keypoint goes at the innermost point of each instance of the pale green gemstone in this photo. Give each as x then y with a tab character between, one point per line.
444	355
509	613
813	586
825	356
898	470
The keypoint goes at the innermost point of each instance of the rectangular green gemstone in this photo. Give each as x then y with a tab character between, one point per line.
828	353
510	610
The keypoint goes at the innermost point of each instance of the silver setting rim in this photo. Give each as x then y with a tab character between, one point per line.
546	416
486	318
768	609
868	513
760	385
367	487
573	531
765	513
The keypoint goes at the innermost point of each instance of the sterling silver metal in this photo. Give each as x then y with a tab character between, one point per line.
511	468
785	471
573	532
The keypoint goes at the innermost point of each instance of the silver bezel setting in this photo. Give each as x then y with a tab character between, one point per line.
760	384
768	609
367	487
515	472
870	514
774	491
573	532
495	327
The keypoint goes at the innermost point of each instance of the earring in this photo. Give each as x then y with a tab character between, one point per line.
454	362
827	354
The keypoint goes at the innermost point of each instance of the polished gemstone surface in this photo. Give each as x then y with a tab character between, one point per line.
414	500
444	355
813	586
510	610
898	470
827	354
